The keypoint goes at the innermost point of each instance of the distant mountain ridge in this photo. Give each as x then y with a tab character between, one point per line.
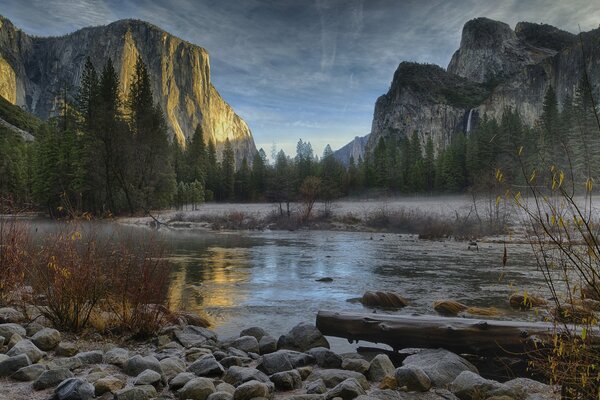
354	149
495	67
33	69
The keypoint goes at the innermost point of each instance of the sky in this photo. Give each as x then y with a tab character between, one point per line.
309	69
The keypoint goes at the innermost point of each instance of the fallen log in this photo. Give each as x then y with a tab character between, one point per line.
459	335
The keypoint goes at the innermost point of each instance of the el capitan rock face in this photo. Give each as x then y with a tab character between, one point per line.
494	68
32	70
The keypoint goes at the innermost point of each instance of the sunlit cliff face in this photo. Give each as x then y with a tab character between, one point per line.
8	81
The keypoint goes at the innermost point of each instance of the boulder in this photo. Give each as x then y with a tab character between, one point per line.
348	389
287	380
46	339
11	365
247	344
527	386
316	387
254	331
7	330
267	344
29	373
302	337
26	347
333	377
383	300
197	389
96	374
138	364
33	327
470	386
305	371
116	356
171	366
14	339
238	375
206	366
71	363
251	390
220	396
413	378
146	392
180	380
10	315
381	366
194	336
91	357
395	395
284	360
441	366
147	377
109	384
74	389
52	377
66	349
233	360
356	364
325	358
225	387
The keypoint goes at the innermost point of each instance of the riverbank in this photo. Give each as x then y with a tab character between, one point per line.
186	361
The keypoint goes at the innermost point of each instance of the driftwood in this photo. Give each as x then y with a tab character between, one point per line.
459	335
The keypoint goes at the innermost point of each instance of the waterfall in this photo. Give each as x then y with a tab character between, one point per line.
469	120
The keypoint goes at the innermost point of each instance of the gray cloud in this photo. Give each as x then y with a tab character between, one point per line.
305	68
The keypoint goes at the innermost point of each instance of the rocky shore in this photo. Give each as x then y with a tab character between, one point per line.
191	362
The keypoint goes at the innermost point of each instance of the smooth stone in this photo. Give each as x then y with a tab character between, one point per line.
180	380
347	390
68	363
441	366
12	364
91	357
356	364
147	377
238	375
255	332
249	344
10	315
46	339
9	329
50	378
333	377
66	349
287	380
284	360
381	366
325	358
225	387
528	386
306	397
29	373
26	347
74	389
171	366
316	387
206	366
116	356
197	389
109	384
220	396
250	390
267	344
470	386
414	378
14	339
233	360
33	327
302	337
136	393
138	364
305	371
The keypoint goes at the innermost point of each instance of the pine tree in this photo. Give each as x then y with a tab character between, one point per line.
243	181
259	174
228	171
212	172
197	157
429	165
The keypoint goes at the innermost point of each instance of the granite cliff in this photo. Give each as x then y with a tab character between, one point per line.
32	69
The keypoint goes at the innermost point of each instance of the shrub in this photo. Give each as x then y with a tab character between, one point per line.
14	256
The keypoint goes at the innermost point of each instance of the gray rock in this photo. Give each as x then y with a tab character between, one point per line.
33	327
108	384
66	349
348	389
284	360
325	358
91	357
171	366
138	364
14	339
306	397
116	356
381	366
470	386
333	377
9	314
206	366
305	371
96	374
233	360
147	377
527	386
302	337
51	378
194	336
46	339
146	392
389	394
26	347
287	380
356	364
225	387
197	389
29	373
71	363
267	344
254	331
316	387
413	378
180	380
441	366
220	396
246	343
12	364
7	330
236	352
238	375
250	390
74	389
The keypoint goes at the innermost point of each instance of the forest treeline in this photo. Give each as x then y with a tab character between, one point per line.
109	153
